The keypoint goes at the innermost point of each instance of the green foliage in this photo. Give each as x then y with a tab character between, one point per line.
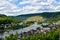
52	35
54	18
2	15
44	14
26	24
7	20
39	22
58	22
12	37
36	19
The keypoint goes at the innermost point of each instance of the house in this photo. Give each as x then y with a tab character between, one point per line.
2	26
8	25
46	29
45	23
20	23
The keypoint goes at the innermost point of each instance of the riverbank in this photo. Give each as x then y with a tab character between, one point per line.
34	30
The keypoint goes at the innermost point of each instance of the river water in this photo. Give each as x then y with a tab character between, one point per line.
19	31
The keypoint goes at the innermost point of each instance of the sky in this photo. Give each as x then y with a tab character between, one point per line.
18	7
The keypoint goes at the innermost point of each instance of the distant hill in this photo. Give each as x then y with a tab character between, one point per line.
6	19
45	14
50	15
2	15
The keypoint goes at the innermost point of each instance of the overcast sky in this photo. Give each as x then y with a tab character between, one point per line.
18	7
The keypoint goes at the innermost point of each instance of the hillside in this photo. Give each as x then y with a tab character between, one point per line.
36	19
49	15
45	14
6	19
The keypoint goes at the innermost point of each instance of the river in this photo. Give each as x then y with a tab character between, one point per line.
19	31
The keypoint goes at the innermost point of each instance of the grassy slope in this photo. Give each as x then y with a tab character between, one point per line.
45	14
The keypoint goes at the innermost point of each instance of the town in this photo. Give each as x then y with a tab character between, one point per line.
34	29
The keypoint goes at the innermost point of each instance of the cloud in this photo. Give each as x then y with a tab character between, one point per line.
8	7
12	0
25	2
38	6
